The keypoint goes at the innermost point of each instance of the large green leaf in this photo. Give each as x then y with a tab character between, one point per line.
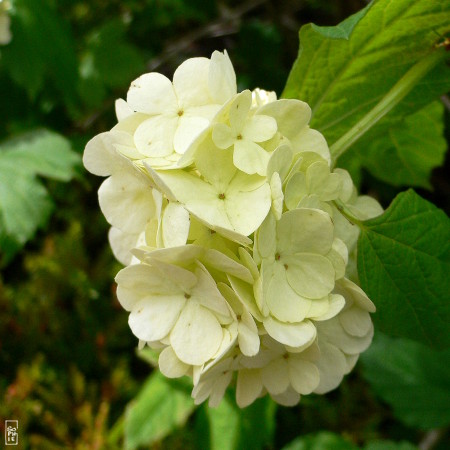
232	428
24	202
160	407
412	378
404	266
344	71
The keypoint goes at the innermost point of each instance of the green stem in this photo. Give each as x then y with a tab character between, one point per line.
397	93
347	214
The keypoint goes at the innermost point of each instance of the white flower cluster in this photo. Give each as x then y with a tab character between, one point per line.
223	208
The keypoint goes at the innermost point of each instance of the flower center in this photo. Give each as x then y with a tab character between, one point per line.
187	296
180	112
222	196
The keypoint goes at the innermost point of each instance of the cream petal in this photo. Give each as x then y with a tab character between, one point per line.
190	82
316	235
296	190
304	375
248	335
275	376
259	128
189	128
308	140
126	201
238	111
100	156
332	366
121	243
123	109
292	334
154	137
152	93
175	225
221	77
197	335
283	302
247	210
287	398
335	305
291	115
170	366
355	321
227	265
250	157
249	387
310	275
152	318
222	136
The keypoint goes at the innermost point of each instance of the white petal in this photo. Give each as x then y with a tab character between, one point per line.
100	157
123	109
355	321
309	140
280	161
127	202
250	157
197	335
190	82
316	234
222	79
259	128
332	366
227	265
153	317
304	375
248	335
249	387
188	129
292	334
283	302
222	136
239	109
247	210
335	306
175	225
291	115
310	275
296	190
154	137
287	398
275	376
170	365
121	243
152	93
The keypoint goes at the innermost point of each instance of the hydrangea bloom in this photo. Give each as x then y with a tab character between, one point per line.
226	213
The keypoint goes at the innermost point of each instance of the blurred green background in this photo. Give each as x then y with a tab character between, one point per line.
68	359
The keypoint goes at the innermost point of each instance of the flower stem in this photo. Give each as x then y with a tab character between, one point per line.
397	93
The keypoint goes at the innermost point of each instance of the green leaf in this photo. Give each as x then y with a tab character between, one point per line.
24	202
343	74
42	47
390	445
403	266
409	150
413	379
320	441
160	407
232	428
